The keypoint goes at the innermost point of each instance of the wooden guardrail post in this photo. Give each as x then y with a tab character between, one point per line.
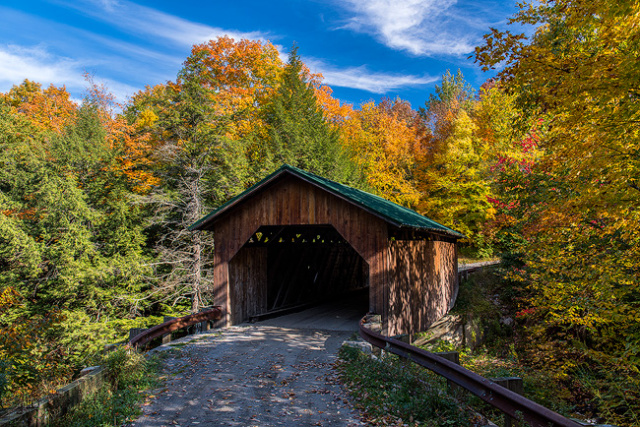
514	384
135	331
166	338
203	326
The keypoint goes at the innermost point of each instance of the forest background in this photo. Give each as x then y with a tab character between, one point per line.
539	166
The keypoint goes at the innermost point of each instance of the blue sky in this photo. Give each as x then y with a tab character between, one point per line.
366	49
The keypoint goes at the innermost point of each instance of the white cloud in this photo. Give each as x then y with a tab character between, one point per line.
18	63
109	5
133	51
421	27
149	22
361	78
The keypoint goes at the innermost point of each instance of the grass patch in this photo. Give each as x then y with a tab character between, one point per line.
119	399
392	392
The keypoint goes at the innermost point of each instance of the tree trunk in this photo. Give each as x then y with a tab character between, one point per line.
197	272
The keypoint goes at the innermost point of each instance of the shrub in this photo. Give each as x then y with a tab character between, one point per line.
118	400
125	368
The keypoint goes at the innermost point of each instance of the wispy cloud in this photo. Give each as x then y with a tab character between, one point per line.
149	22
109	5
421	27
18	63
363	79
34	63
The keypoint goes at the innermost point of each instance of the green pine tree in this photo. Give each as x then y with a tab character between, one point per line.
299	134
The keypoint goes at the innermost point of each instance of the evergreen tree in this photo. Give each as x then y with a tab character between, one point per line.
70	238
299	134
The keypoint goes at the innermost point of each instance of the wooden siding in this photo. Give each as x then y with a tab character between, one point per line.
292	201
423	283
248	286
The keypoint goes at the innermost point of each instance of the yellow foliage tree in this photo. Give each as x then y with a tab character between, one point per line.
382	144
581	223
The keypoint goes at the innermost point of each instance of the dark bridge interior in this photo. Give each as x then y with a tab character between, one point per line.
308	265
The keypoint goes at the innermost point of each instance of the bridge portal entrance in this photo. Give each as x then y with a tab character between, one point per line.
281	269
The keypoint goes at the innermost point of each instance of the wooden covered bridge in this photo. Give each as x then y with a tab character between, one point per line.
296	238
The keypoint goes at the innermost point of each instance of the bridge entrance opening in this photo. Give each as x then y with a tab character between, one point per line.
284	269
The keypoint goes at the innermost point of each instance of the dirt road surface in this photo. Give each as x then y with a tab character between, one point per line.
251	376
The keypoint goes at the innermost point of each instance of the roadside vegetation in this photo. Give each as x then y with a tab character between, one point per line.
389	392
119	399
579	386
539	166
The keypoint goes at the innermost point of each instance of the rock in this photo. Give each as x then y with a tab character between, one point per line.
507	321
363	346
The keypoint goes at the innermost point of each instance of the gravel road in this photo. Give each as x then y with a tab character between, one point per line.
251	376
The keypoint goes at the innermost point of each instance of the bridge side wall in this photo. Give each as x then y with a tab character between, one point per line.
423	283
248	283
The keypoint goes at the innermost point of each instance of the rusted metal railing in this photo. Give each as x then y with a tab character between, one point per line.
173	325
497	396
465	269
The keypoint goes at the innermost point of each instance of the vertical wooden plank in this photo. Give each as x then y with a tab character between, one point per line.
235	290
262	281
221	275
280	206
293	209
303	206
378	248
383	295
328	209
311	207
392	289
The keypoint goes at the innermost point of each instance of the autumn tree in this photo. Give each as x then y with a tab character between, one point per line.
244	74
450	170
50	109
381	142
578	72
451	97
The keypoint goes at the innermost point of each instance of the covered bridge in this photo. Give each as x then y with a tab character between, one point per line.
296	238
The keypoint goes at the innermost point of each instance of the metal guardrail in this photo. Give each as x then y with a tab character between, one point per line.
465	269
474	266
173	325
497	396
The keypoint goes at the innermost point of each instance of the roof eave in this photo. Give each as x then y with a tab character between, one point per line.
200	224
448	232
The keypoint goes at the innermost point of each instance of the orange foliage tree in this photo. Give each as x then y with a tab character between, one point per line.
50	109
243	74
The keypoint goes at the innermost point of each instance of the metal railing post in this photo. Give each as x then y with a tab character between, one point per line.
516	385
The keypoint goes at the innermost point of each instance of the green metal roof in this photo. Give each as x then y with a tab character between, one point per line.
388	211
